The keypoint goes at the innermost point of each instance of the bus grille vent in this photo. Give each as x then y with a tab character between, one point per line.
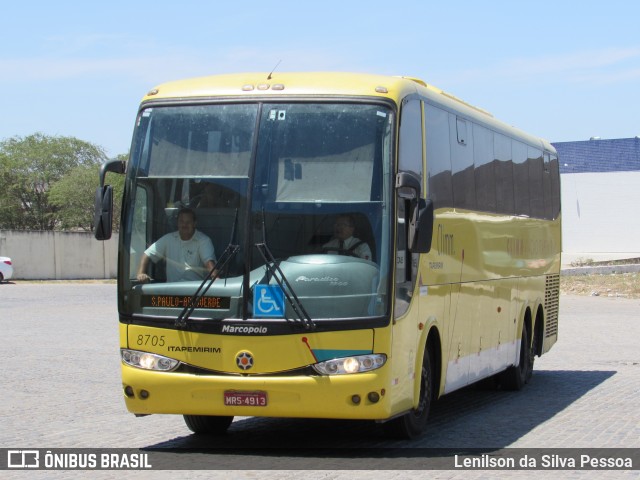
551	304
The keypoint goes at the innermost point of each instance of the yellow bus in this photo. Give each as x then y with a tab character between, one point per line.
377	243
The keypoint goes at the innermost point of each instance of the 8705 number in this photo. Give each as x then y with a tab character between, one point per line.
153	340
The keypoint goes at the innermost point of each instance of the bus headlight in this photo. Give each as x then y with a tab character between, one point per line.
348	365
148	361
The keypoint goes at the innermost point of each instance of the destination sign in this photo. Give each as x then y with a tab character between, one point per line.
179	301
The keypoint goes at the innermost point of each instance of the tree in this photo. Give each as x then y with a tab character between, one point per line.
73	196
10	205
29	169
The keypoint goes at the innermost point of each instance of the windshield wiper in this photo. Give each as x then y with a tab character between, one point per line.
274	270
220	265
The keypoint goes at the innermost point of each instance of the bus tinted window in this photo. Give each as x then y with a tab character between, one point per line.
554	172
521	179
438	156
411	138
464	194
504	174
536	189
484	169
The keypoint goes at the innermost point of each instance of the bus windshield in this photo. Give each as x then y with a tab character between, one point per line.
304	187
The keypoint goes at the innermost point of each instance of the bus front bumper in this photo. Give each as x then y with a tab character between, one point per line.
357	396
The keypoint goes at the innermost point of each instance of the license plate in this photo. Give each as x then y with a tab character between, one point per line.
235	398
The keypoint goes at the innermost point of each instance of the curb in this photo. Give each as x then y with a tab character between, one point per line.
602	270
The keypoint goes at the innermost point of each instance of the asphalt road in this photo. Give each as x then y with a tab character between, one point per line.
61	389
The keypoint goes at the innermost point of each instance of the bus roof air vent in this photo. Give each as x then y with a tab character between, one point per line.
417	80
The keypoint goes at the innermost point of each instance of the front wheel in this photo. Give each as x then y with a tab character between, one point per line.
413	423
207	424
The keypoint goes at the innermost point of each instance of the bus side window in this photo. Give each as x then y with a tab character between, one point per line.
505	202
464	185
485	175
139	230
403	286
536	182
410	160
555	186
438	157
521	179
410	148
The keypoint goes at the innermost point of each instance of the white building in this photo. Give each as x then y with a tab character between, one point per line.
600	199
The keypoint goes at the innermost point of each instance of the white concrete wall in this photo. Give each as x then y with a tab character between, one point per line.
59	255
600	218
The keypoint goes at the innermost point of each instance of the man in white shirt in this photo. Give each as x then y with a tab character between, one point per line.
344	243
188	253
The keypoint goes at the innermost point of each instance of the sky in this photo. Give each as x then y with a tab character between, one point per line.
563	70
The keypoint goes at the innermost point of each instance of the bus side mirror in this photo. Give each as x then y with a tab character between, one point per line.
421	226
409	187
103	213
103	206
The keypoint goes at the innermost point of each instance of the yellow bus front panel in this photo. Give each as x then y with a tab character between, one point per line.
279	375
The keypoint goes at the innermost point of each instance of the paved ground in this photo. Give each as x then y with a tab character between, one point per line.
61	388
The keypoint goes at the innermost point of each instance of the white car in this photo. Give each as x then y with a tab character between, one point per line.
6	268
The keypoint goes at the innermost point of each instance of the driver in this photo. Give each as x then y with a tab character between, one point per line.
343	241
188	253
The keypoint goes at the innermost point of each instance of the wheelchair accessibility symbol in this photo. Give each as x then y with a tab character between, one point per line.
268	301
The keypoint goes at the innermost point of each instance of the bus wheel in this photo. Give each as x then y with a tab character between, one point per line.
207	424
412	424
514	378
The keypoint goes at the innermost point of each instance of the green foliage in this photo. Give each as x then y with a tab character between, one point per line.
49	183
72	197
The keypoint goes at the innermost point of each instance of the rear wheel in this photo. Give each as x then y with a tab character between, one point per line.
413	423
514	378
207	424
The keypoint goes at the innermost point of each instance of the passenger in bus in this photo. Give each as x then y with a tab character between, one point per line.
207	198
343	241
188	253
